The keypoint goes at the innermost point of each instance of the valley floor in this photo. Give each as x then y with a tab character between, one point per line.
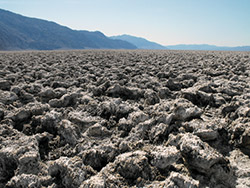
117	118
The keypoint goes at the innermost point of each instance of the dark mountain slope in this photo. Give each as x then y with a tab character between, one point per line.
20	32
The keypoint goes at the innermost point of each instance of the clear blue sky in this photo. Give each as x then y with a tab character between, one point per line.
218	22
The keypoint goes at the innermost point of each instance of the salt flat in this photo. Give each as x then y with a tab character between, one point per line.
140	118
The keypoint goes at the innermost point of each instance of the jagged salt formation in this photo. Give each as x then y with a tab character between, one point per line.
124	119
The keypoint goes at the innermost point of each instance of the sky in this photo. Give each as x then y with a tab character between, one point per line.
167	22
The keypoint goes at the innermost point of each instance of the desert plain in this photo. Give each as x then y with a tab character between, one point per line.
124	118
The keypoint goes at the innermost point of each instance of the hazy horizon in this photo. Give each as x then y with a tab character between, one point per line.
167	22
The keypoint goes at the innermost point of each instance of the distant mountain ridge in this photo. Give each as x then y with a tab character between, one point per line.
139	42
142	43
207	47
18	32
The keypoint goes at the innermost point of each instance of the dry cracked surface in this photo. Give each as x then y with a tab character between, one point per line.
124	119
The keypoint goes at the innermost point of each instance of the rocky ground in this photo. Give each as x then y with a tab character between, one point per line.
124	119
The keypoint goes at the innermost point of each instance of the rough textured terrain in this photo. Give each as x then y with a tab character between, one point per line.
124	119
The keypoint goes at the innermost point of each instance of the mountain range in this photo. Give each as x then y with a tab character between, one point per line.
18	32
142	43
139	42
207	47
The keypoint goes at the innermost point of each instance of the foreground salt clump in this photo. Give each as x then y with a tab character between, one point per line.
124	119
